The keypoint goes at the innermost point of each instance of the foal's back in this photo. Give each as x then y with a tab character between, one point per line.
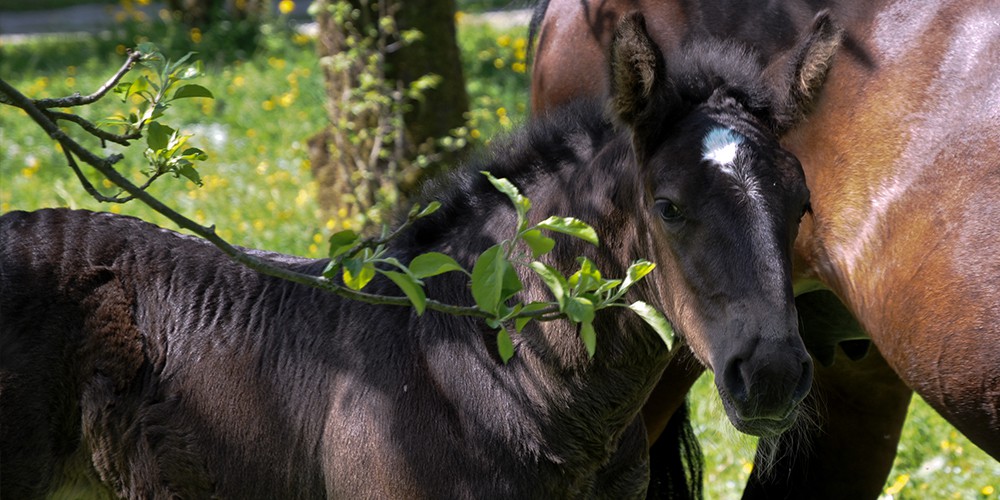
127	345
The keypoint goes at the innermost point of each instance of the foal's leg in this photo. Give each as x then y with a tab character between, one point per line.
670	393
859	409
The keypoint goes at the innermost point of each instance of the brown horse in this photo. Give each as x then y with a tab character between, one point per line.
138	362
902	245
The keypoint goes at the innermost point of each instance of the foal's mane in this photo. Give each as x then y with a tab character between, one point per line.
564	139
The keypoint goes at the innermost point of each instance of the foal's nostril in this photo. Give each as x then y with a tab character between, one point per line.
769	387
805	381
735	381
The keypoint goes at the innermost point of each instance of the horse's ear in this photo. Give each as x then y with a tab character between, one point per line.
637	69
800	73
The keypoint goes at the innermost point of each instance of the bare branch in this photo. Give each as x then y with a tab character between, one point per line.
87	186
79	100
105	166
94	130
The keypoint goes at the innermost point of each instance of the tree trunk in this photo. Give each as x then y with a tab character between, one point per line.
364	161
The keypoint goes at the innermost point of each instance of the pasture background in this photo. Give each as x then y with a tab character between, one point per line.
259	192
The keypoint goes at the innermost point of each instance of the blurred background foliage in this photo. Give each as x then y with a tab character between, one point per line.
270	98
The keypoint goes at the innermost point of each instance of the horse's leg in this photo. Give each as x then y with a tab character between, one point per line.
674	457
859	410
670	393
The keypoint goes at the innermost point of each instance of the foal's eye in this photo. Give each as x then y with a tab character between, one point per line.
668	210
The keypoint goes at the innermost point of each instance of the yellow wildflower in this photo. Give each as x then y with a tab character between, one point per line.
276	63
286	6
987	490
898	485
195	35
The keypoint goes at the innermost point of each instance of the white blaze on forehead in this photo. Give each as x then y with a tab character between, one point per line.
720	146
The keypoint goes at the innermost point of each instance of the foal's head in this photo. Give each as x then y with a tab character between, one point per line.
727	201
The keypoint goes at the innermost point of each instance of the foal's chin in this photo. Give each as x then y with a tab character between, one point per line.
764	427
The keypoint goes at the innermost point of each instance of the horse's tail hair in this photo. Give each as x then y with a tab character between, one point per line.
675	461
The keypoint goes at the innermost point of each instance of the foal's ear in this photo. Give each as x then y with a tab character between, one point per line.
799	74
637	69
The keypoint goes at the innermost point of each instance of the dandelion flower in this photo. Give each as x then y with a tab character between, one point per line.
286	6
898	485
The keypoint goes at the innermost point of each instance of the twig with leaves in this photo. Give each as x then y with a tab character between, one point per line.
354	261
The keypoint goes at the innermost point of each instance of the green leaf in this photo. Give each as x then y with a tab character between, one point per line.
538	242
429	209
194	154
488	278
636	271
504	345
433	264
519	323
580	310
147	49
656	320
587	279
158	136
554	280
521	204
140	85
192	90
342	241
357	273
511	284
122	89
607	285
589	337
570	226
188	171
409	285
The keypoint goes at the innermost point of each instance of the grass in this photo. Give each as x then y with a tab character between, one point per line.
259	192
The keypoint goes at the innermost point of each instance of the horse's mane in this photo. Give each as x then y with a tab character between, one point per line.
562	139
704	65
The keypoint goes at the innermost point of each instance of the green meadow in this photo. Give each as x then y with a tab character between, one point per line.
258	189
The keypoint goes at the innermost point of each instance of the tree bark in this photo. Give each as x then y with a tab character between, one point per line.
350	178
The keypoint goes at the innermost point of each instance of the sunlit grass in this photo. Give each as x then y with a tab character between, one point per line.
259	192
934	460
